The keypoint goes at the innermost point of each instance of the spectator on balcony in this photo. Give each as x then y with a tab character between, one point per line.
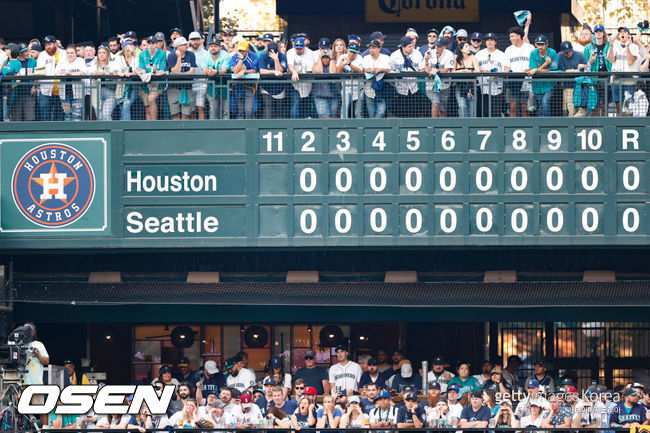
486	372
202	58
518	55
328	416
161	43
373	376
243	63
126	92
173	34
491	59
465	61
377	36
151	61
304	417
218	63
405	377
584	40
410	415
22	98
272	62
180	96
558	416
226	36
71	92
35	50
432	37
448	33
351	63
570	60
625	56
384	414
460	37
339	50
439	59
476	40
505	416
405	59
466	382
438	374
544	379
475	415
496	382
534	418
300	60
533	397
313	375
433	397
542	59
104	66
49	105
113	46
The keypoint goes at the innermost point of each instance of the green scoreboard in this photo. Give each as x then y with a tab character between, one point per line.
326	183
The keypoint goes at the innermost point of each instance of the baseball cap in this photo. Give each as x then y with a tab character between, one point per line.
276	362
354	46
246	400
566	47
461	33
176	29
184	361
624	28
218	403
235	393
180	41
341	347
412	33
476	36
269	381
373	361
324	43
273	46
637	385
211	367
165	369
532	383
230	362
377	35
310	354
599	27
540	362
541	39
439	360
505	401
310	390
228	32
215	40
354	399
153	39
434	385
127	43
160	36
21	48
453	388
267	37
440	42
410	396
67	361
478	394
242	46
131	34
37	47
629	392
496	369
433	31
406	370
570	389
383	394
354	38
375	43
490	36
195	35
49	38
536	403
304	35
405	41
299	43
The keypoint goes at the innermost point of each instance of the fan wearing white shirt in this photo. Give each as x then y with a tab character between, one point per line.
406	59
437	60
344	375
300	60
625	56
375	65
491	59
518	55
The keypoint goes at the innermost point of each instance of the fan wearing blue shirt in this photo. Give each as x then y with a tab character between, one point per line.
273	62
475	415
410	415
241	63
180	96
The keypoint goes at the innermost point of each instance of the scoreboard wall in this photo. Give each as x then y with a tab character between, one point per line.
331	183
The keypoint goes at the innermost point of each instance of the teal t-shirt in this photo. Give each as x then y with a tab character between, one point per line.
12	67
540	85
468	385
146	62
67	420
222	62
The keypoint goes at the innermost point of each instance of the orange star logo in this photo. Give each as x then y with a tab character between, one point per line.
52	181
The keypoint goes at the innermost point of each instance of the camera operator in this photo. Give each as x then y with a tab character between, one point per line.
37	359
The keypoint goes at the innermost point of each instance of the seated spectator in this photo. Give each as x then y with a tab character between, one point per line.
410	415
142	421
505	416
542	378
326	94
368	402
408	101
543	59
475	415
490	401
559	416
278	400
466	382
73	379
497	383
184	391
214	412
373	376
534	418
165	377
328	416
277	373
304	417
486	372
384	414
465	90
246	415
180	96
278	418
406	378
438	59
533	397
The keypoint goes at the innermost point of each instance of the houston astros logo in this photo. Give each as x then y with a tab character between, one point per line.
53	185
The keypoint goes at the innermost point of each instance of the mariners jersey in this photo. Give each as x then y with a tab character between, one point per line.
433	377
625	415
242	381
346	376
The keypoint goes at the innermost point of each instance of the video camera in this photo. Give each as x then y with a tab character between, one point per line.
15	353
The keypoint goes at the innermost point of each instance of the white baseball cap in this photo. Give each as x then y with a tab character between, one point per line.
210	366
406	370
195	35
179	41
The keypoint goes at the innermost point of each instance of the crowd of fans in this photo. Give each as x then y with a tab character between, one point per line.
377	392
240	63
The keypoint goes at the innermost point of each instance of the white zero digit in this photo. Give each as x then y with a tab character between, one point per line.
554	139
447	186
589	170
412	140
269	140
634	183
589	212
519	139
519	172
343	186
311	185
307	146
448	228
486	135
483	186
413	226
630	227
592	139
413	179
555	213
374	174
344	141
557	171
379	142
519	214
448	142
488	219
346	216
378	214
313	221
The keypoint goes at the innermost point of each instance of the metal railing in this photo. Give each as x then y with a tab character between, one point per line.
357	429
411	95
